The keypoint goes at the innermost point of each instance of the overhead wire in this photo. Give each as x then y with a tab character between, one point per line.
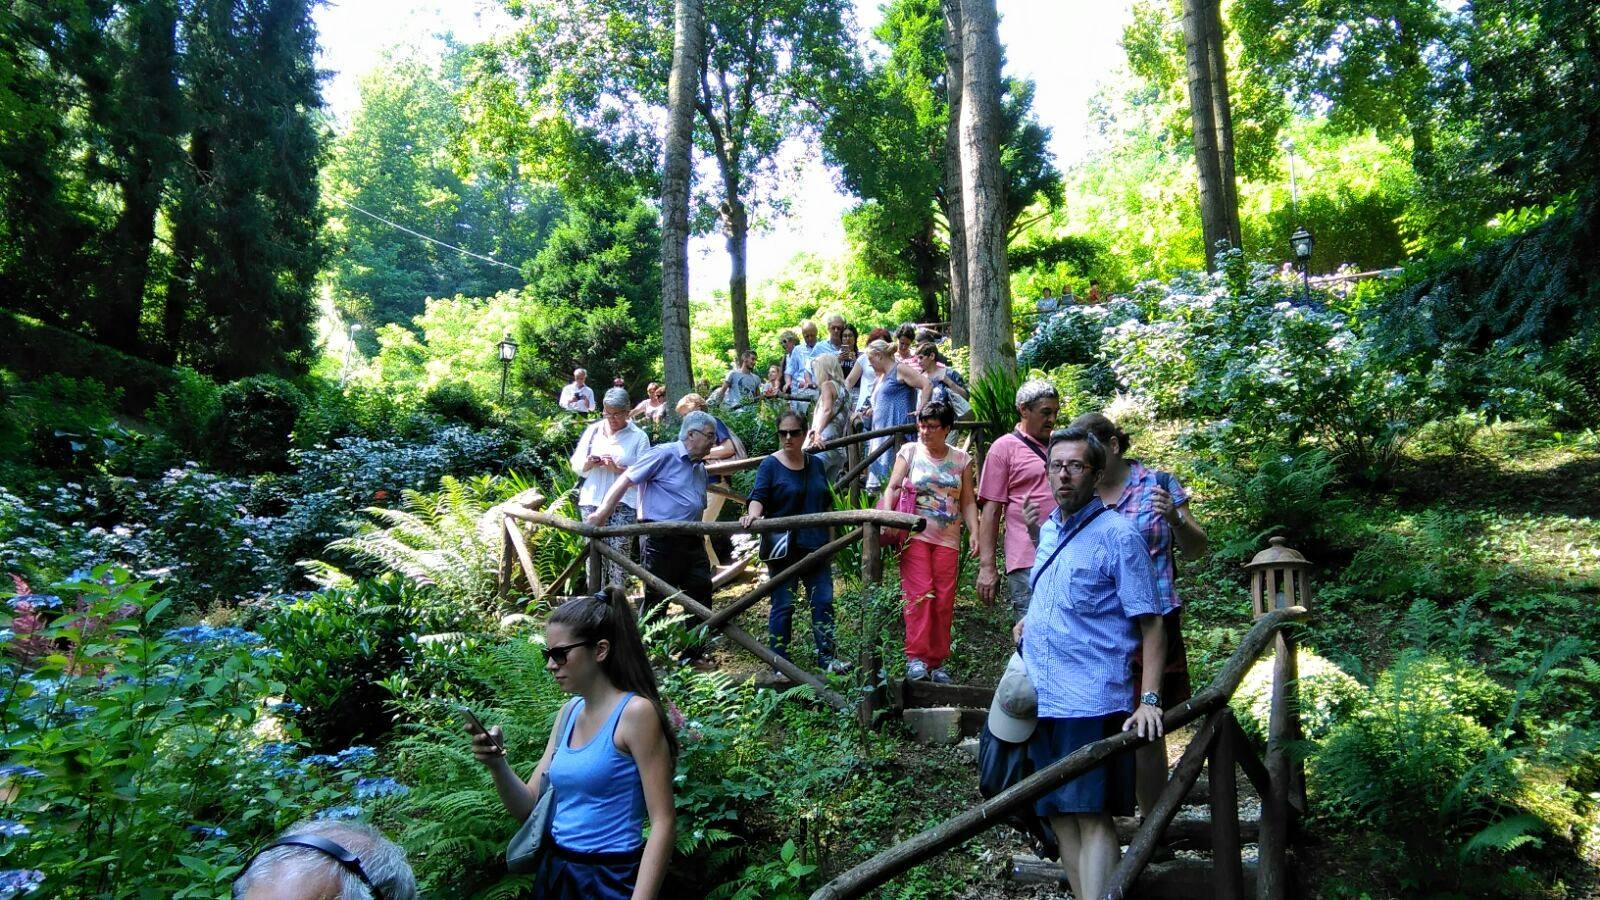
391	224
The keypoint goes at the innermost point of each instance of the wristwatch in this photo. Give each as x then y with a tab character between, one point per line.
1150	698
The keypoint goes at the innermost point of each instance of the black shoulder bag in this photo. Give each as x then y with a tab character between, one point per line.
775	544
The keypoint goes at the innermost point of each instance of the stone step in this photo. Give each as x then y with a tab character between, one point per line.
1162	879
944	725
1189	832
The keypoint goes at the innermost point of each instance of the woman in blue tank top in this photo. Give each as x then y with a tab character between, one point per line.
900	391
610	759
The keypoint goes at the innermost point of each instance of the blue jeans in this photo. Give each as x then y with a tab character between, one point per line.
819	590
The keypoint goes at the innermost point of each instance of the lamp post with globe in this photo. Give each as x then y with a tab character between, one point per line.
508	352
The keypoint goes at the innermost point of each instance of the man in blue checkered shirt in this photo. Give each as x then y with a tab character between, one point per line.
1094	599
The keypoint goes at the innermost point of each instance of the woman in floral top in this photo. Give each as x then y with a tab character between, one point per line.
941	475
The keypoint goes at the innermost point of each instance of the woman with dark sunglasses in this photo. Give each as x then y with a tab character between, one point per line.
791	483
610	759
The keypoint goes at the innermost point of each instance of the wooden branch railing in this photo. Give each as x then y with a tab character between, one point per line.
727	466
867	522
851	517
961	828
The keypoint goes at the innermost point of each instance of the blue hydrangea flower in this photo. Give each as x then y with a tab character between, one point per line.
267	653
6	635
321	759
206	832
350	811
37	601
357	755
284	708
11	828
17	770
372	788
279	757
14	882
227	636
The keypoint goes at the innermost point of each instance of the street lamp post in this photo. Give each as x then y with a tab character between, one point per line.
508	352
349	345
1303	243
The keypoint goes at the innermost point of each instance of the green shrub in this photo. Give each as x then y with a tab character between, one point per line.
36	350
185	413
456	401
1328	696
255	424
57	421
338	646
1440	764
1073	336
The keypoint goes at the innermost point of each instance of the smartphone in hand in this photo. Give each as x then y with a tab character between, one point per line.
476	727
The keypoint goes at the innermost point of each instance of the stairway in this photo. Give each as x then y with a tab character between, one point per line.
953	715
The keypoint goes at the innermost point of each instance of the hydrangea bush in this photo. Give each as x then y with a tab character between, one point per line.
1253	364
143	760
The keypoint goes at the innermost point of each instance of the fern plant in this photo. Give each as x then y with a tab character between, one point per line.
448	541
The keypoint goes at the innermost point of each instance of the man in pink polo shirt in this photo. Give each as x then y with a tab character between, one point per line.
1014	484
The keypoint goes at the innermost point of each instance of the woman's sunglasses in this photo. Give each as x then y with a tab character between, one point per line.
790	432
558	655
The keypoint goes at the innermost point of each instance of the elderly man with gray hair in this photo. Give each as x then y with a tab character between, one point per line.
328	860
671	481
1014	485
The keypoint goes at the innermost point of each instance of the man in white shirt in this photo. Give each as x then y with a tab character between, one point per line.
578	397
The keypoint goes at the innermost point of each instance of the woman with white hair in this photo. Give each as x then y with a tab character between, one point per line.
605	450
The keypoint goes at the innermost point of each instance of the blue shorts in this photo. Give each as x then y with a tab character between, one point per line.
1107	788
567	875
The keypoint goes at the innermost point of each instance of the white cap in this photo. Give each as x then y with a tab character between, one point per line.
1015	710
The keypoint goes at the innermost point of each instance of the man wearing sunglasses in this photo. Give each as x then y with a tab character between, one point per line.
672	488
328	860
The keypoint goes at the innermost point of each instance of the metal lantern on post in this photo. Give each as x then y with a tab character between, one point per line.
508	352
1279	577
1303	243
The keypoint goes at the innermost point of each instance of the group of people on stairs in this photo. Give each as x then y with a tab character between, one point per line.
1084	535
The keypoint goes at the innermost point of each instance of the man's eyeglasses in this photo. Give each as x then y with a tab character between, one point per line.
790	432
558	655
1075	466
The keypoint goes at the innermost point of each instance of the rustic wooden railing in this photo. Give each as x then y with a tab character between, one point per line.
1219	744
864	524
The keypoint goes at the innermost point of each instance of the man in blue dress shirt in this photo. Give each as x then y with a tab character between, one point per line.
672	488
1094	595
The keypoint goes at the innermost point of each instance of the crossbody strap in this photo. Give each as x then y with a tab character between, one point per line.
1063	545
1031	445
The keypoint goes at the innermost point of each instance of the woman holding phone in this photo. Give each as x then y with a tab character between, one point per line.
610	759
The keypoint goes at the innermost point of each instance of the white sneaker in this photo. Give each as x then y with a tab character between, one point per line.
916	670
939	676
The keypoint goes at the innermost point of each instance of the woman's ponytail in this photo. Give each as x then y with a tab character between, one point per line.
607	615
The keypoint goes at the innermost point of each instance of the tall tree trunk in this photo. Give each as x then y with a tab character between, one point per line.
1213	199
983	191
688	55
186	237
1222	118
146	101
737	222
925	266
952	193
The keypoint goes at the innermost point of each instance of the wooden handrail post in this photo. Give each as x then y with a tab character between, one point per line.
1143	845
502	585
870	661
1227	862
1275	805
596	566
